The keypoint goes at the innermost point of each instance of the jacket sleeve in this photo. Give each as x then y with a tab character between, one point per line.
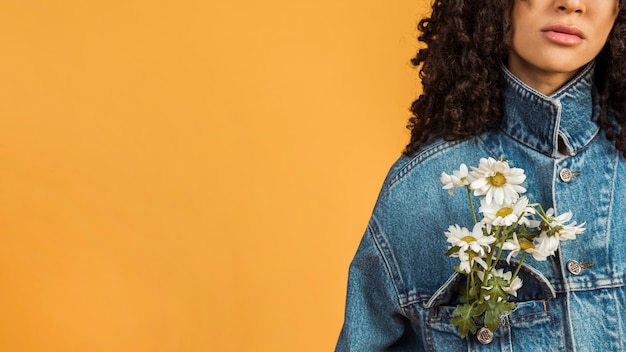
374	319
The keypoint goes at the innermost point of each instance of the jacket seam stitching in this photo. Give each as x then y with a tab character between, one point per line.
610	209
389	259
420	157
491	152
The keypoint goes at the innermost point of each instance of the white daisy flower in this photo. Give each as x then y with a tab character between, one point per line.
547	244
543	246
475	241
569	232
514	246
468	259
459	178
481	277
497	181
505	215
465	266
538	254
514	285
566	232
510	289
540	250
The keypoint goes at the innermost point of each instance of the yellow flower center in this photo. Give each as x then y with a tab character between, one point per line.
503	212
468	239
497	180
526	245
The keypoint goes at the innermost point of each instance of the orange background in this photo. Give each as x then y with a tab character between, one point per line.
192	175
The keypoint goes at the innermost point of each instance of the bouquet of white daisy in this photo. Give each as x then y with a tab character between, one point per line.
509	223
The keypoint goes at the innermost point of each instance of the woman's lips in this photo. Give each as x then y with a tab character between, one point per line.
563	34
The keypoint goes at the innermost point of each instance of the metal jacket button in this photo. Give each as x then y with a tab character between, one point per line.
484	336
576	268
566	175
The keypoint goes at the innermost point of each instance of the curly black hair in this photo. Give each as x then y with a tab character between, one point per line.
465	43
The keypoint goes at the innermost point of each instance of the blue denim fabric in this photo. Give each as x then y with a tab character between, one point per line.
401	287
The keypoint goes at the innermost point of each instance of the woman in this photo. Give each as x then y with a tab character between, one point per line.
540	82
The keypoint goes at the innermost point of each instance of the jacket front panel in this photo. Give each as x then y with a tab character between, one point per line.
402	289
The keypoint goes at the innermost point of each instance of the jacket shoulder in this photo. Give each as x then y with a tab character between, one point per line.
413	212
432	159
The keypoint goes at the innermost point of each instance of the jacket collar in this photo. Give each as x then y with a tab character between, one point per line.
537	120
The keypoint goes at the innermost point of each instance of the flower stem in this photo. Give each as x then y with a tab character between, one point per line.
542	214
500	239
471	203
495	232
519	266
467	290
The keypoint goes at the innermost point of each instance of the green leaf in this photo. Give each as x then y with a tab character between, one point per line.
492	320
453	250
458	270
464	319
497	284
492	316
481	308
474	292
554	230
524	233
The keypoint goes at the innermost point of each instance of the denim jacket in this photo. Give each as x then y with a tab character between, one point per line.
401	286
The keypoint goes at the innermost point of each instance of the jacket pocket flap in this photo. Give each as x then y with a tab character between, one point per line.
535	286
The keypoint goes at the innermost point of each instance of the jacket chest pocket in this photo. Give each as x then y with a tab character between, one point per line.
530	327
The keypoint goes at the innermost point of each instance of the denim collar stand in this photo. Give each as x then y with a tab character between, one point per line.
538	121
